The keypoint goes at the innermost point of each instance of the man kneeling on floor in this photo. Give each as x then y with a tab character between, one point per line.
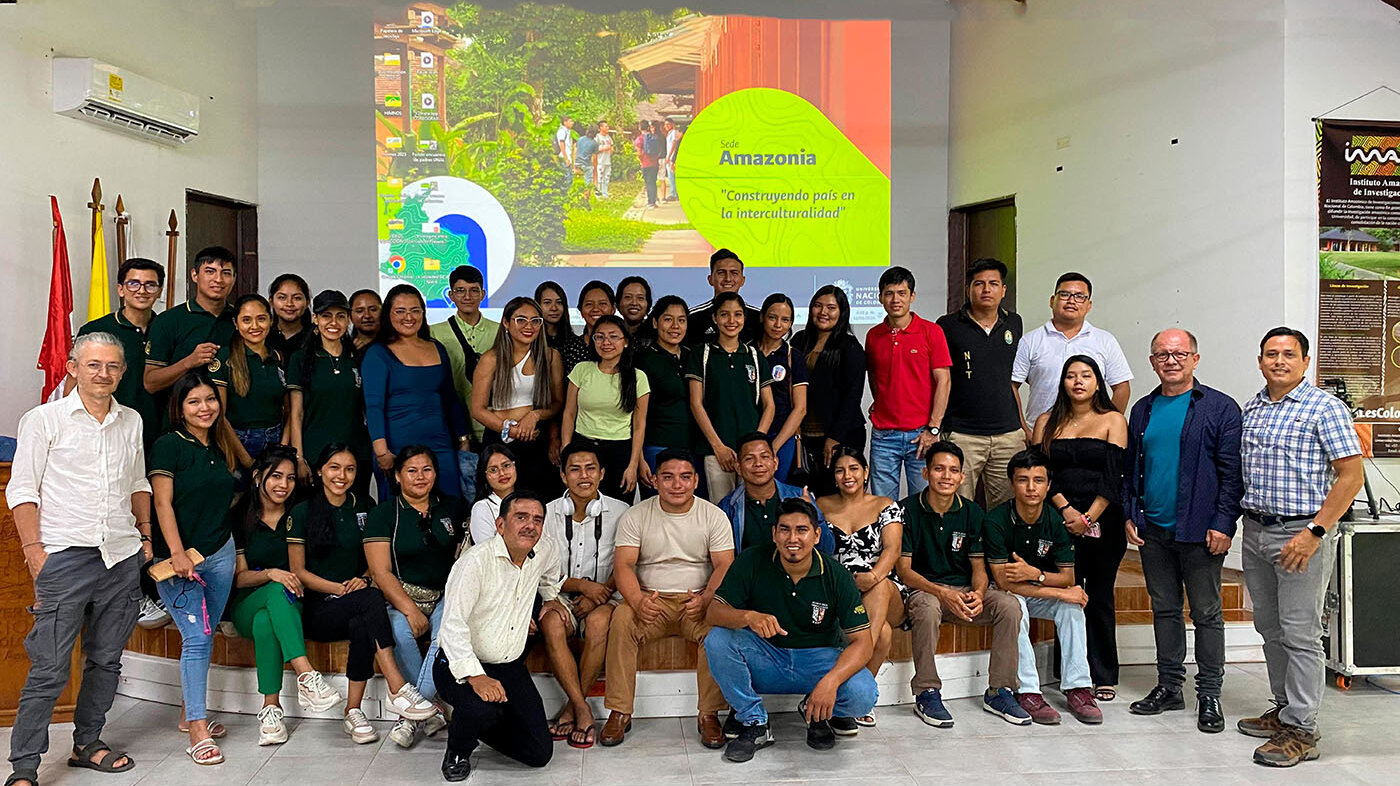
777	629
480	669
1032	556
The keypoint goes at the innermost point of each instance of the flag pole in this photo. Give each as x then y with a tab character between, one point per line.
122	218
99	284
173	236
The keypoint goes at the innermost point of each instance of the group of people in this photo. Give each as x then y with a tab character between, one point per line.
668	471
589	152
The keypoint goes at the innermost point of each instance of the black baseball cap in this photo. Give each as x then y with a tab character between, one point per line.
329	299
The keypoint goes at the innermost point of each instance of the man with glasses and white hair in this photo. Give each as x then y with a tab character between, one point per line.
1040	358
1181	498
82	510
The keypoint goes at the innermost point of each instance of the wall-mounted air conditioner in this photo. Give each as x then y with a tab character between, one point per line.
91	90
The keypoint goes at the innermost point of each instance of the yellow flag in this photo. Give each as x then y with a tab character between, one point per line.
99	296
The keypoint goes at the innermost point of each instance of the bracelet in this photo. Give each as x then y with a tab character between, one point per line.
1061	509
145	538
31	543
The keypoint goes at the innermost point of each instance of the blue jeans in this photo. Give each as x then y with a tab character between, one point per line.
416	668
786	453
187	601
256	440
1069	630
889	450
466	467
745	665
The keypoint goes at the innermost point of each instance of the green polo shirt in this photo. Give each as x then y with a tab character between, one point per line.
346	558
261	407
1045	543
732	384
176	331
202	495
759	518
813	611
941	547
131	391
332	402
266	547
669	424
480	337
423	547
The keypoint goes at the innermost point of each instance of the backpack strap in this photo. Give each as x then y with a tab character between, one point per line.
470	354
757	383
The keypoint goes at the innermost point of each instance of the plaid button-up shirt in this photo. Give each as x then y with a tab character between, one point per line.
1288	447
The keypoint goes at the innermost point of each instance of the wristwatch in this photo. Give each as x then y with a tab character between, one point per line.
1041	580
932	430
1317	529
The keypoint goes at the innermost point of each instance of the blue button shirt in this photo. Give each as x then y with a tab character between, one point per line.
1161	444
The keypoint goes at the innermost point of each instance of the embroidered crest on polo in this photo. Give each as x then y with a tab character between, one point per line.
360	520
446	522
1007	337
779	373
958	541
753	373
1042	547
818	612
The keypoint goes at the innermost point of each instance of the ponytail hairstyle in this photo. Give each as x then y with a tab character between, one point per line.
313	348
218	436
564	330
320	515
626	364
249	511
505	350
237	350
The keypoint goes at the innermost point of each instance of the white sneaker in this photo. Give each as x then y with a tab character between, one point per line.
405	732
357	726
409	703
271	729
228	629
434	724
315	694
152	615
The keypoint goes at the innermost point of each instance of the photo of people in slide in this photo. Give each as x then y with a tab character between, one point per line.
543	142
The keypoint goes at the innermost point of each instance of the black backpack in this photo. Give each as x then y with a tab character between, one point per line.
651	145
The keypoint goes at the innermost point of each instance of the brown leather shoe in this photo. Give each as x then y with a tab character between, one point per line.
711	732
1287	748
615	730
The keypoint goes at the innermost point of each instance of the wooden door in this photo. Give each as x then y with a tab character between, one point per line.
986	229
218	221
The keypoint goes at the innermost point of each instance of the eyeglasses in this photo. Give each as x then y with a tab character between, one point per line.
506	466
139	286
96	367
1074	297
599	338
463	291
523	321
1180	357
400	313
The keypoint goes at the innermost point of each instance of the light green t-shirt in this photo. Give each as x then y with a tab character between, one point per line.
480	337
600	416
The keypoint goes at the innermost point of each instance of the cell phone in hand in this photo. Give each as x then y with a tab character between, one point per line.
1094	530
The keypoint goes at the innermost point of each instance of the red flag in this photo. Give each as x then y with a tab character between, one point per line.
58	335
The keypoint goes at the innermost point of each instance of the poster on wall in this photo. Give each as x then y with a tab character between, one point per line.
543	142
1358	345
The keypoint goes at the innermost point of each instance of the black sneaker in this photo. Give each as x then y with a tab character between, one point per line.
732	726
455	768
750	739
820	736
846	727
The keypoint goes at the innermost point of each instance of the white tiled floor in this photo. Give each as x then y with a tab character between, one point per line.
1359	747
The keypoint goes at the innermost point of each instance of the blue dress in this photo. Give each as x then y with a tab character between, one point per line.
415	405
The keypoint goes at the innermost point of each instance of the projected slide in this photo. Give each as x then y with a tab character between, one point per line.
543	142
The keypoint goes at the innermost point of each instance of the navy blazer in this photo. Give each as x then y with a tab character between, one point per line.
1210	482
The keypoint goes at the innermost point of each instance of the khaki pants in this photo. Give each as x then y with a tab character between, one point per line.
718	482
627	636
985	459
999	610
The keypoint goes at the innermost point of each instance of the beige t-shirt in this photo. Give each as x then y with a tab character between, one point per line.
674	549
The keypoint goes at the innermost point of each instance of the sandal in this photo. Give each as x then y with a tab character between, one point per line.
207	745
23	775
217	731
1105	693
85	758
868	721
590	736
560	730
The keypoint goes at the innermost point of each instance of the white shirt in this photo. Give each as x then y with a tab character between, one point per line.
81	474
488	604
483	523
1040	358
589	555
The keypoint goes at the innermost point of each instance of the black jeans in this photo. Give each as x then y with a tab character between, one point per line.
1096	562
1168	565
515	727
649	177
360	617
533	469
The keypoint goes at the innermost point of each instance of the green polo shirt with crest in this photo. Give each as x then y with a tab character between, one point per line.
203	491
332	401
131	391
941	547
814	611
176	331
733	382
1044	543
261	405
422	546
345	558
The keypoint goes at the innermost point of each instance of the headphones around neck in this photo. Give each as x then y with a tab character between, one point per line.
595	511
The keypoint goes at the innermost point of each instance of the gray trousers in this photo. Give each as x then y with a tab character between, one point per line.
1169	565
1288	614
74	593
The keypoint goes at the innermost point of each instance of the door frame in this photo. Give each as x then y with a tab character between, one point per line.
245	263
958	260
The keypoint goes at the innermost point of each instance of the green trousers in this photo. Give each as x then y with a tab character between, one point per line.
265	615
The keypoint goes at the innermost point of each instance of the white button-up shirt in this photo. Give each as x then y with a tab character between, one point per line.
81	474
1041	355
489	601
589	554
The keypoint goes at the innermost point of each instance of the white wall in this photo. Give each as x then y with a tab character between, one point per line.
1186	234
203	48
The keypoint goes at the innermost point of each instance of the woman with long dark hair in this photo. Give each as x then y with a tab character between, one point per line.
517	391
498	467
607	406
789	370
836	383
325	401
325	552
411	542
266	604
409	395
558	330
1084	437
192	486
252	384
290	298
663	360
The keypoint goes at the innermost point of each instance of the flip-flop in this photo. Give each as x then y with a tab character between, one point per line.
868	721
217	731
1105	693
199	748
86	754
590	736
560	730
